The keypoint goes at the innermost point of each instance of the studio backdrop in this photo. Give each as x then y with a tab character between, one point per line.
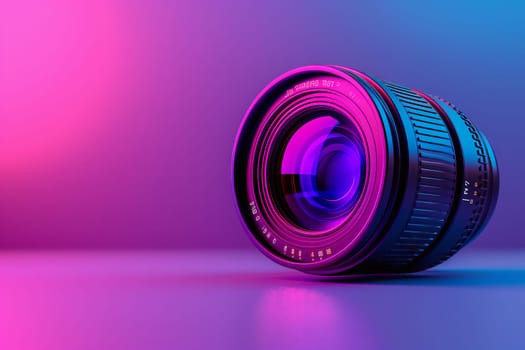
118	118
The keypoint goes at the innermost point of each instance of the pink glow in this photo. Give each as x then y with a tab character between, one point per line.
59	65
294	318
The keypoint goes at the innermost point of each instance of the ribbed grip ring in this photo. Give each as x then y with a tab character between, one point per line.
436	180
470	228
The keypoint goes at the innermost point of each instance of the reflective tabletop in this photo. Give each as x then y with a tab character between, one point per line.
240	300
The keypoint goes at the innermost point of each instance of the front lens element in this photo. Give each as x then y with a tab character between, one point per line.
321	173
336	172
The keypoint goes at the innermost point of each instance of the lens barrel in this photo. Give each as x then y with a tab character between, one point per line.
336	172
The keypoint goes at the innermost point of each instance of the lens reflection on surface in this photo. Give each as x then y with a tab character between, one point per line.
297	318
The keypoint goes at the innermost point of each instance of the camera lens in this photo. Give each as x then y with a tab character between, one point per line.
336	172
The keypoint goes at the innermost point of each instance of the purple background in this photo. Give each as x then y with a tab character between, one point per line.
118	117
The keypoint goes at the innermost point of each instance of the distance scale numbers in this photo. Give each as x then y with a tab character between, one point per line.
292	252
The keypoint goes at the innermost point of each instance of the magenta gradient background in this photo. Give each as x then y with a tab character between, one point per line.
118	117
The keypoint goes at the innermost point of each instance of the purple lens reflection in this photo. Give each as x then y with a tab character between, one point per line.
322	171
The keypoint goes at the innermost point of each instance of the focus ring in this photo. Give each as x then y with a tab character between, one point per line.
473	223
436	180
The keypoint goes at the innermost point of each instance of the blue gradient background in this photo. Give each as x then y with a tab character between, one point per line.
118	117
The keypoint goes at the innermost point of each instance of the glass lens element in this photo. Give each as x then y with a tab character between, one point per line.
321	172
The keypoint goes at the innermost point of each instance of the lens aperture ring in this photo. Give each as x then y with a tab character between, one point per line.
436	181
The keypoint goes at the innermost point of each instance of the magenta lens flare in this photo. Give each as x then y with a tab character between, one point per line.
336	172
